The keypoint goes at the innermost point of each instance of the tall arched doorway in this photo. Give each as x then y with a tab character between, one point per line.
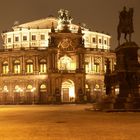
68	91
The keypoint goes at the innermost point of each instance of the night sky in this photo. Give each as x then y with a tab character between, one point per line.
98	15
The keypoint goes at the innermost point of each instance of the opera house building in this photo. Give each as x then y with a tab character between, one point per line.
52	60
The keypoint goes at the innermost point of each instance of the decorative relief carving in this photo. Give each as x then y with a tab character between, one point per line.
65	43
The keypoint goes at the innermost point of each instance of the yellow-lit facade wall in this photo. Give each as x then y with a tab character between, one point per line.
23	76
26	37
24	64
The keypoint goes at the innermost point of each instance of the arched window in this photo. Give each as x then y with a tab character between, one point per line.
29	88
65	63
43	88
5	89
97	61
29	66
17	88
43	66
17	68
97	87
86	86
5	68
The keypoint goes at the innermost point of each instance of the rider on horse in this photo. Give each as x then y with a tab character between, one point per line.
125	24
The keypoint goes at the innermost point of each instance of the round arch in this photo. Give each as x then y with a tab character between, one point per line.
68	91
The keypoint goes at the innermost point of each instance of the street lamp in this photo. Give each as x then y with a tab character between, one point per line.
18	91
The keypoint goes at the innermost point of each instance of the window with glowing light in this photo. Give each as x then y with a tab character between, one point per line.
29	88
17	89
87	68
66	63
5	68
97	88
29	66
43	66
17	68
87	64
96	67
105	68
5	89
43	88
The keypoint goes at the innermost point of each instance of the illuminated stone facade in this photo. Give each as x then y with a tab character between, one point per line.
53	61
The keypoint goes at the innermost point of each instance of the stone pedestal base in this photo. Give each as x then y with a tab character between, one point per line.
119	103
106	103
136	103
103	106
127	103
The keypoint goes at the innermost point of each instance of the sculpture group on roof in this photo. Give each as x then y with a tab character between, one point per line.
63	15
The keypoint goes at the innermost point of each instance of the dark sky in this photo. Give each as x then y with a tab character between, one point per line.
99	15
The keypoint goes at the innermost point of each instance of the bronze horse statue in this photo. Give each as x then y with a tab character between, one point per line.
125	24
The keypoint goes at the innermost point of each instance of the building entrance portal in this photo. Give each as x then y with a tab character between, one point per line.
68	91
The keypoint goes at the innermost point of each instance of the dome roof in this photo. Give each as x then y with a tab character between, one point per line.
45	23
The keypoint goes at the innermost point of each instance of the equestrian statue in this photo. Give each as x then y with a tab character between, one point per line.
125	25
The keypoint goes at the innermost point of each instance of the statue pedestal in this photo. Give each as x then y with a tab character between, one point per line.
127	57
136	103
127	74
106	103
119	103
129	102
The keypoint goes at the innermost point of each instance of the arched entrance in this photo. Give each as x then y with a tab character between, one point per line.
68	91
